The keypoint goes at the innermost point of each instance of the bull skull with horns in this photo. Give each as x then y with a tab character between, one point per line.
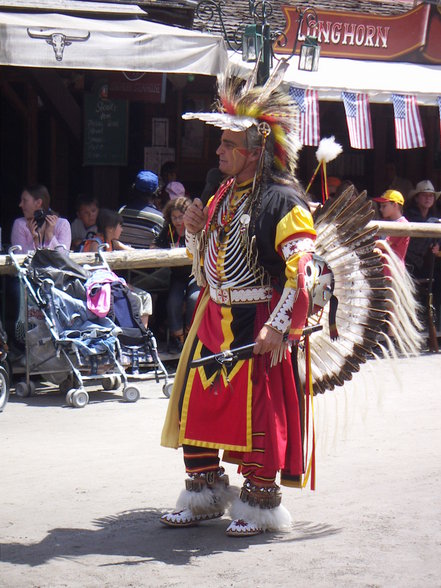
57	39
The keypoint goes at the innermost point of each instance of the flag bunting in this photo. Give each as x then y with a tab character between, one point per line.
409	132
309	120
358	118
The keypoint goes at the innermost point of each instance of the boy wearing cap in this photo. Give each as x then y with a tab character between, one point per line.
391	209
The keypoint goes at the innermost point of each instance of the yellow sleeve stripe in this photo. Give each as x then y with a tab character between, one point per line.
291	270
298	220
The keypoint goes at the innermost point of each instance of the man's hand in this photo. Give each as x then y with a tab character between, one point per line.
195	217
267	340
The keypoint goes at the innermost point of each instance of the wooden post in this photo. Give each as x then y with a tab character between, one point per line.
106	185
59	169
32	135
379	119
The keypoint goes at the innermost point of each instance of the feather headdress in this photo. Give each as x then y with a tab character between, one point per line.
241	105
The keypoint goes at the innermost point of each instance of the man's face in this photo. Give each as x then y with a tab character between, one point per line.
235	159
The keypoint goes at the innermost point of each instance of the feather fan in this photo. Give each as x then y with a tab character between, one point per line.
376	315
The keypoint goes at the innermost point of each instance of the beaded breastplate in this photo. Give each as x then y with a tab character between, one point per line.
230	259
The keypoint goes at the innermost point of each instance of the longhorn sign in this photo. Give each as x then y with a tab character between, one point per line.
57	39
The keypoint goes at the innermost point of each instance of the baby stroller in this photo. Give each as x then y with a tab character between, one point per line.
139	351
64	341
4	370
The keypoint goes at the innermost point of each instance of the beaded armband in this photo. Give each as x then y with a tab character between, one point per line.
281	316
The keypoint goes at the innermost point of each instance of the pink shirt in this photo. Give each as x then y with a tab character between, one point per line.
399	245
20	235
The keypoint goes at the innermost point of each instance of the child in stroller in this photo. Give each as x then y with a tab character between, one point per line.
124	306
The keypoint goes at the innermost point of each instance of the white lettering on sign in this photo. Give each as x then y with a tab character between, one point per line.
344	33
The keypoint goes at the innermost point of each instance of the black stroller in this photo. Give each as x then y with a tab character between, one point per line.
64	340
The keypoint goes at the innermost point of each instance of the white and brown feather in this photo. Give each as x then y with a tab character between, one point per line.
374	313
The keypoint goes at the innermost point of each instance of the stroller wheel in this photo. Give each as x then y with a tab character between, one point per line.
79	398
131	394
4	388
108	383
117	382
22	390
166	389
69	396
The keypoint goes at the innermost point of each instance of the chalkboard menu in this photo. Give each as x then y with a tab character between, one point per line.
105	131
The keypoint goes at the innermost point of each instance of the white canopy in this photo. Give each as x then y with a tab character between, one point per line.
62	41
377	78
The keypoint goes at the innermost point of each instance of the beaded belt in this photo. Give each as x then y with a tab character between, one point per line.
231	296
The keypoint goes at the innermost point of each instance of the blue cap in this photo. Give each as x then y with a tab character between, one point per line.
146	181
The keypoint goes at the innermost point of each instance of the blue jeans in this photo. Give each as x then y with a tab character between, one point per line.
181	290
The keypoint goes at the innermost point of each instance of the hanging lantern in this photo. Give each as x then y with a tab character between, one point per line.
252	41
309	54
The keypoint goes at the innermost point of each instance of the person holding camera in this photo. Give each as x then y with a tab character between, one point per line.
40	226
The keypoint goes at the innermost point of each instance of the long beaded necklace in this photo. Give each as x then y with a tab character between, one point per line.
223	223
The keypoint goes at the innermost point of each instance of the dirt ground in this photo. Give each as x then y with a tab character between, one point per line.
82	491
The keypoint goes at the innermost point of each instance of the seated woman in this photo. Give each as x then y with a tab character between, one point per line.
183	287
39	226
109	224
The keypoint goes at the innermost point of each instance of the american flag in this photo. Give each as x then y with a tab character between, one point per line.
409	132
358	117
309	124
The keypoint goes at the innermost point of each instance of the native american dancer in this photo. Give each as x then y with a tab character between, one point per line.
253	255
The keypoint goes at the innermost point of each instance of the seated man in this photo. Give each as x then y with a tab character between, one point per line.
142	220
142	223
